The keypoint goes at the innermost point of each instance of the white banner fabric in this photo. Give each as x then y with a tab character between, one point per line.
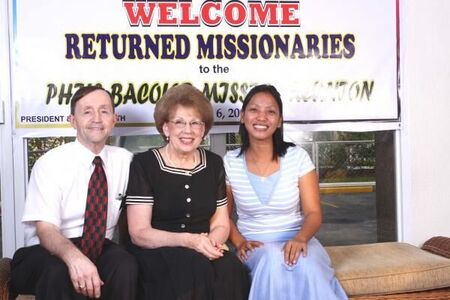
332	61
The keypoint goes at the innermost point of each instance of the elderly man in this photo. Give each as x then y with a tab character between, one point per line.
71	211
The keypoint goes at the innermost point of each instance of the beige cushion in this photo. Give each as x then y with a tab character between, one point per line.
388	268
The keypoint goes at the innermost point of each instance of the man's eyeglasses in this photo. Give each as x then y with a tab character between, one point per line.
181	124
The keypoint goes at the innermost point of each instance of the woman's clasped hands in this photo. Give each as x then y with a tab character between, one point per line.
207	246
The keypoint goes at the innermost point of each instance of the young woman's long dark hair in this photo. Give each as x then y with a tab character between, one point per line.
279	145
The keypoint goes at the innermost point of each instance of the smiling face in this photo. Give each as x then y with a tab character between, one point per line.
184	129
261	117
94	120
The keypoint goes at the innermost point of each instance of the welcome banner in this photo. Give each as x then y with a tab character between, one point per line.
332	60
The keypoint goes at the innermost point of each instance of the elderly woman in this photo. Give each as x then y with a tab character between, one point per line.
176	208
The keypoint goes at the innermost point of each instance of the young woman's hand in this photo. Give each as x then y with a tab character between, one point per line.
292	250
245	247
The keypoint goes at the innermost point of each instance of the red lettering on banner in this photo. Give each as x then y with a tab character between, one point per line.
138	14
212	13
206	13
288	17
260	12
186	17
235	13
166	17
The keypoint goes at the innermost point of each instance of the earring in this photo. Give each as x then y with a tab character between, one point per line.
167	139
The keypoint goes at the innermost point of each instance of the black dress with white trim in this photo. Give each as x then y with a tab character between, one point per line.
183	200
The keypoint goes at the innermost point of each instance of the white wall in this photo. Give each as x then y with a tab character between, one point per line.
8	216
425	133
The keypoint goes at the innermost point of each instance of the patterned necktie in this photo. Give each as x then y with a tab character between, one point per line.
96	212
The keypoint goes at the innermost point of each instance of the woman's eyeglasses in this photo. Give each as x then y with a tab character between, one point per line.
181	124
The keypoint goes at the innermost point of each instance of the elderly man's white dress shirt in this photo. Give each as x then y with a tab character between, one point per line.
58	187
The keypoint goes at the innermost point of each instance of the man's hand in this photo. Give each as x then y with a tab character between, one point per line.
82	271
84	276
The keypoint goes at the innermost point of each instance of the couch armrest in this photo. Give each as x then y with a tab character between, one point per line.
5	273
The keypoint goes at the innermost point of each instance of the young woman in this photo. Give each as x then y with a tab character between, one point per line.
275	189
